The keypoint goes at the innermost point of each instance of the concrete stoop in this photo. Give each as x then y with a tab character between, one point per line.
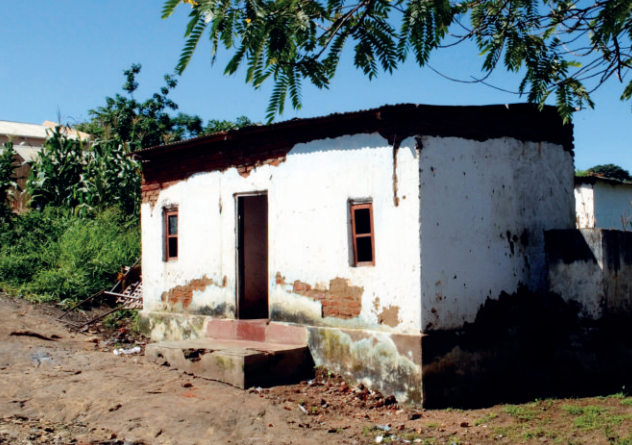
241	363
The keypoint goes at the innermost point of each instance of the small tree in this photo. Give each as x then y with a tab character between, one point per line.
216	126
137	125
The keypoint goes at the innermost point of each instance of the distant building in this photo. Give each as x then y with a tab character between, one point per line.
28	140
603	203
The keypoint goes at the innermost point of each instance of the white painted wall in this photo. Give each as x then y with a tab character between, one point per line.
584	206
475	198
201	243
604	204
308	197
613	205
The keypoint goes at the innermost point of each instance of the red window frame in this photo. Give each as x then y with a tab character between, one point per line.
168	254
356	236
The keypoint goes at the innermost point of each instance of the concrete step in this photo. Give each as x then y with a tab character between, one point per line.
256	330
241	363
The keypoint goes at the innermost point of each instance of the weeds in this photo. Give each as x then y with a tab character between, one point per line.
573	410
593	417
367	429
122	317
56	256
485	419
523	413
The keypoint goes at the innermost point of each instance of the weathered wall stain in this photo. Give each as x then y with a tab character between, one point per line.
248	167
341	300
163	326
182	295
523	346
221	310
396	145
371	358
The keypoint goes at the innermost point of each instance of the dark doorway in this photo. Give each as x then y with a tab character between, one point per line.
252	252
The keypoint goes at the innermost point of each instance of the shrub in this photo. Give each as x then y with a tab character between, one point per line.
55	255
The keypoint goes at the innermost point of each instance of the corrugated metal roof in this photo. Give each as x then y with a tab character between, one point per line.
225	135
250	146
593	178
381	114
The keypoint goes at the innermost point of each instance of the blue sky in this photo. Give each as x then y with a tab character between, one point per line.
67	55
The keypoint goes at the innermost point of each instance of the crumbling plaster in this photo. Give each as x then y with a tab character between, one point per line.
309	232
484	207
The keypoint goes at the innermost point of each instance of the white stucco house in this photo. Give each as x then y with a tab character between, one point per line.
603	203
364	235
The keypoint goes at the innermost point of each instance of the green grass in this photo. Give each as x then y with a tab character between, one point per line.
56	256
539	433
409	436
485	419
123	317
573	410
522	413
593	417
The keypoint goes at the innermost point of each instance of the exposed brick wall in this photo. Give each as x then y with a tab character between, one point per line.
183	294
340	301
150	192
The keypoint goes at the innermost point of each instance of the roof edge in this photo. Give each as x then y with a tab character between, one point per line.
386	114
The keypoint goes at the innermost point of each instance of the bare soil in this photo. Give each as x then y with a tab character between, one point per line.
63	387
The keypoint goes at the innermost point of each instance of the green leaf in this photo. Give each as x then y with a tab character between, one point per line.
169	7
190	46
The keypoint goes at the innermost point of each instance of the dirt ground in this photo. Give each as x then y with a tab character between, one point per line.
63	387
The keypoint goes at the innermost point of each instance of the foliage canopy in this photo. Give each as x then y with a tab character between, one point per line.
71	174
611	171
137	125
566	48
88	177
86	196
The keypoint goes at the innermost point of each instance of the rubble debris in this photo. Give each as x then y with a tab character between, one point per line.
128	292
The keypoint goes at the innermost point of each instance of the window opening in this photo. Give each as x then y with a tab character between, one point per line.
171	235
362	233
